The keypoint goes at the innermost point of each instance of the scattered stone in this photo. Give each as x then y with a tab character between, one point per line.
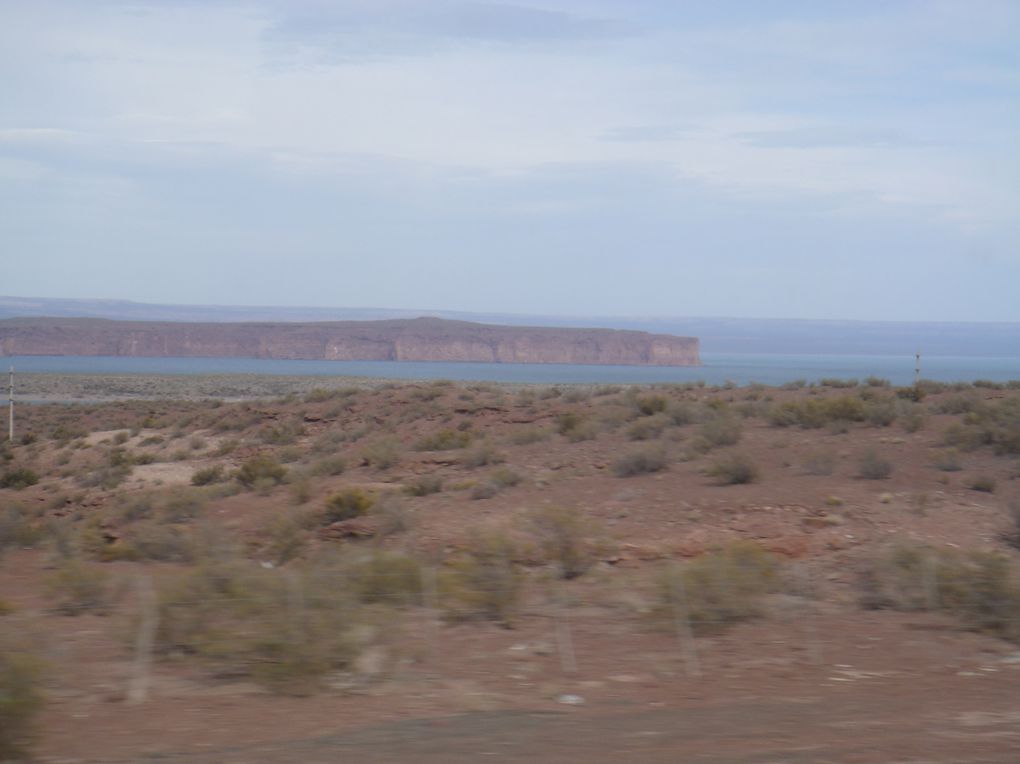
570	700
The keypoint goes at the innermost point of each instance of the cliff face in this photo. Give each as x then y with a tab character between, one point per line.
422	339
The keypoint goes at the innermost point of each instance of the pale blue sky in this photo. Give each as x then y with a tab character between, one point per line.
618	157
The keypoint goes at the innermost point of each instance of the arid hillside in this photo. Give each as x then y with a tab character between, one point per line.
422	339
432	571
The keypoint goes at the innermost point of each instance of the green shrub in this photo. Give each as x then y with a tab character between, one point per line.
735	469
347	504
261	468
18	478
640	462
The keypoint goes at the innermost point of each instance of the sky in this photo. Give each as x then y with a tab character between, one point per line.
752	158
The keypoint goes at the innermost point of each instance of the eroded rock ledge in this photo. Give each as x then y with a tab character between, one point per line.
420	339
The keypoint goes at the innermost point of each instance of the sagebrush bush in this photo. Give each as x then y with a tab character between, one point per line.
483	580
735	469
283	630
719	431
979	588
382	454
816	413
481	455
640	462
347	504
982	483
566	538
423	485
720	588
329	466
443	440
261	468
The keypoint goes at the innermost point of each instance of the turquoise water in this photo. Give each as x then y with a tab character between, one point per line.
717	368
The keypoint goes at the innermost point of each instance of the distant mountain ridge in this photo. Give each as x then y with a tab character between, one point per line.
421	339
717	335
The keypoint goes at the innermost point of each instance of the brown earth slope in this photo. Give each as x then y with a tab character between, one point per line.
421	339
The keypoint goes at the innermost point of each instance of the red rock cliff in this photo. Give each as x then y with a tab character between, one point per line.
421	339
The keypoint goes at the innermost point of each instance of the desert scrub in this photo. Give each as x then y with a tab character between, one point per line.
329	466
642	461
819	412
566	539
482	455
260	469
21	697
874	466
443	440
483	581
19	529
18	478
423	485
978	588
382	454
982	483
947	461
575	427
525	436
208	475
649	427
285	630
718	589
77	587
649	404
378	576
721	430
735	469
347	504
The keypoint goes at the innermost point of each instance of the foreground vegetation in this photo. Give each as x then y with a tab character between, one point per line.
299	542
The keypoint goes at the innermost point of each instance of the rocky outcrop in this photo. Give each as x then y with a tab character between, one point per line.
421	339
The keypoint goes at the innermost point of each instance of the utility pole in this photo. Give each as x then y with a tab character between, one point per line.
10	402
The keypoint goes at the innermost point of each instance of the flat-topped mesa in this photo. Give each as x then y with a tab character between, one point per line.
420	339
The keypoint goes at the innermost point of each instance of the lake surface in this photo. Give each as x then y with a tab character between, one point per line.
717	368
